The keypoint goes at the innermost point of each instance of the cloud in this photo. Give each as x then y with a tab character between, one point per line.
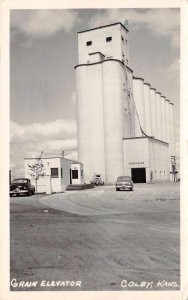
51	138
43	23
161	22
59	129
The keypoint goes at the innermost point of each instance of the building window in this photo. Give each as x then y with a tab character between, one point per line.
74	174
108	39
54	172
61	172
89	43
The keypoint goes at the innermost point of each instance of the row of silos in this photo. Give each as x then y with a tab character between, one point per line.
154	113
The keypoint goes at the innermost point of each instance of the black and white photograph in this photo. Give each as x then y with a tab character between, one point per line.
94	151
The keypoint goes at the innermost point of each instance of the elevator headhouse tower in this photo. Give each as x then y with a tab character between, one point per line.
103	100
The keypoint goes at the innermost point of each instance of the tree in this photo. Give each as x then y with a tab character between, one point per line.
37	170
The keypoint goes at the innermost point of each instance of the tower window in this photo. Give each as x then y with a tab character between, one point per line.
108	39
89	43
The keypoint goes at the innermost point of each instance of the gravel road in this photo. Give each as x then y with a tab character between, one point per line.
106	240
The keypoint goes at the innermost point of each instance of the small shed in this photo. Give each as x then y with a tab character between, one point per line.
57	173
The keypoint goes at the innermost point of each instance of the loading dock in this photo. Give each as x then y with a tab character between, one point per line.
138	175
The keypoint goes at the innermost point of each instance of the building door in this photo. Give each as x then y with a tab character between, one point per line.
138	175
70	176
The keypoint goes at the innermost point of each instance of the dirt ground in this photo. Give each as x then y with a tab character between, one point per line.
106	240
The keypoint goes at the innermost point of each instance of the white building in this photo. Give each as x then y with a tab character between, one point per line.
121	119
58	173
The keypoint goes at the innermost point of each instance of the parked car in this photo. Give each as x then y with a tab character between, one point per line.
124	183
20	186
97	180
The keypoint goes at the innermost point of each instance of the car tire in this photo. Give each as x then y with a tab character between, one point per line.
117	189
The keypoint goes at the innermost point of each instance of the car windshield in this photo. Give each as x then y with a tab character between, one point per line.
19	181
124	178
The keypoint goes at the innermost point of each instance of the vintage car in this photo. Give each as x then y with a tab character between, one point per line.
124	183
97	180
22	186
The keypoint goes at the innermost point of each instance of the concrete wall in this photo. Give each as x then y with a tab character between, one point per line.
147	153
159	160
136	155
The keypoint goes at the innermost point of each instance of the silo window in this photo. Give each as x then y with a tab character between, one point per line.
89	43
108	39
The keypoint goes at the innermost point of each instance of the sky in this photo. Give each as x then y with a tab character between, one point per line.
43	53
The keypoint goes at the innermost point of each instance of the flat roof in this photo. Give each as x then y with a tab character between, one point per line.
51	157
95	28
145	137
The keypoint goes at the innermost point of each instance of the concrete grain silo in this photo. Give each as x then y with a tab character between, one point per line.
112	119
172	128
153	112
124	127
159	115
163	119
167	120
138	94
147	102
90	121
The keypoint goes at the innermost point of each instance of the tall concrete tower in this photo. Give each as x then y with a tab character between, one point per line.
105	112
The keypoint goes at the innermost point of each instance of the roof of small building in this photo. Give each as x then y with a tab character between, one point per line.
52	157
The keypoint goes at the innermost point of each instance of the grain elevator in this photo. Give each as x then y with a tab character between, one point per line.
124	125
